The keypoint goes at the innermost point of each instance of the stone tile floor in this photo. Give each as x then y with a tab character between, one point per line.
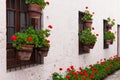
114	76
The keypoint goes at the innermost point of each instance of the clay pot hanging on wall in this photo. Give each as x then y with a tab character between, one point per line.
108	41
88	24
25	52
91	46
34	10
43	51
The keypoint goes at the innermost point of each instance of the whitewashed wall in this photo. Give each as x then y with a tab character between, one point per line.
63	15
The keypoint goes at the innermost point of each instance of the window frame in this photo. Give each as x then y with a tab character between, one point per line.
12	59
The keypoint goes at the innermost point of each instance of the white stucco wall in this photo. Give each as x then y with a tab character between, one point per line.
63	15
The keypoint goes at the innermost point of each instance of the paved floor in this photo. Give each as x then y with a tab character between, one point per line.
115	76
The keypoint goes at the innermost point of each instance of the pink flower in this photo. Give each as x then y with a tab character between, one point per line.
14	37
113	19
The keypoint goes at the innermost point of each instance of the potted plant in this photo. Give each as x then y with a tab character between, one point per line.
35	7
110	23
87	18
87	38
43	42
109	37
24	43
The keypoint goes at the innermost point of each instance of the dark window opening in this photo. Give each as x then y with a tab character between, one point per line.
17	21
81	27
105	29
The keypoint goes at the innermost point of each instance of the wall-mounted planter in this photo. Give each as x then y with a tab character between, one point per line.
25	52
108	41
88	23
85	34
108	35
43	51
34	10
91	46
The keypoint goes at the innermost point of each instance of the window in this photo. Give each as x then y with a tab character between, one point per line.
82	27
104	29
17	21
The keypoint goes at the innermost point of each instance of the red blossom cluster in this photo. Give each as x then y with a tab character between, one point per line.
93	72
87	8
92	28
14	38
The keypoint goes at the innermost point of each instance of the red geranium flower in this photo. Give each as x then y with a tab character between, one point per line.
60	69
73	73
47	3
86	7
93	28
90	65
81	73
105	59
93	12
97	34
14	37
76	76
80	68
91	76
68	76
68	69
86	74
48	41
50	26
72	67
83	78
102	63
29	39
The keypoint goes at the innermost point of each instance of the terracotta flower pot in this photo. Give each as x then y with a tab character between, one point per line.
108	41
88	24
85	47
25	52
91	45
111	42
43	51
34	10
